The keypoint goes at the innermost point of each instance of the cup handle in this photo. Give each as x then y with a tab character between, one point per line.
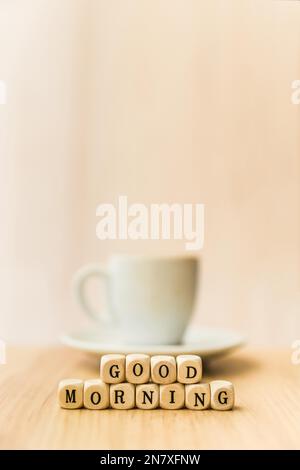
79	284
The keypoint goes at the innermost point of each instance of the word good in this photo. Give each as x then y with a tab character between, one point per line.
136	380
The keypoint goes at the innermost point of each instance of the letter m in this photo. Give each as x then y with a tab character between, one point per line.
70	396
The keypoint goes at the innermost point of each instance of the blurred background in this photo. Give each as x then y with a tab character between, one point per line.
162	101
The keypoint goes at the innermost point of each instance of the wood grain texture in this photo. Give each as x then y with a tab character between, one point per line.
267	413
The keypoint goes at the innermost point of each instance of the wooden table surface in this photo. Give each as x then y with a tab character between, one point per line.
267	414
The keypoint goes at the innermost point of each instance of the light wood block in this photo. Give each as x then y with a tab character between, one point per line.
147	396
137	368
95	394
70	393
222	395
112	368
163	369
197	396
189	369
171	396
122	396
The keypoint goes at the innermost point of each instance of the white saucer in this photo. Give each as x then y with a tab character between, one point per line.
208	342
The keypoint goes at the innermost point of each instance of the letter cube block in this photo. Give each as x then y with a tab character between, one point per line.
189	369
197	396
95	394
122	396
137	368
70	393
171	396
112	368
163	369
147	396
222	395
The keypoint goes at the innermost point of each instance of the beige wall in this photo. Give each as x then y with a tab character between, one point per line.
164	101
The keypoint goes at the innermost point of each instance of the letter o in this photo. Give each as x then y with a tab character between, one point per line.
97	401
141	369
166	369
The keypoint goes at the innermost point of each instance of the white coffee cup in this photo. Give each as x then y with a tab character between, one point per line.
150	299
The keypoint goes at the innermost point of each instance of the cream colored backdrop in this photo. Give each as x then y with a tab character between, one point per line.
163	101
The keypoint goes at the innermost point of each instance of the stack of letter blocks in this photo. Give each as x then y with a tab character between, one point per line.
136	380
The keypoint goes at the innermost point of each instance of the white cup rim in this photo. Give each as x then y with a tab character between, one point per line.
158	257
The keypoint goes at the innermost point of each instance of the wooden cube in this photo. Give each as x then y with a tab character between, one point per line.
171	396
222	395
197	396
137	368
163	369
95	394
189	369
112	368
147	396
122	396
70	393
